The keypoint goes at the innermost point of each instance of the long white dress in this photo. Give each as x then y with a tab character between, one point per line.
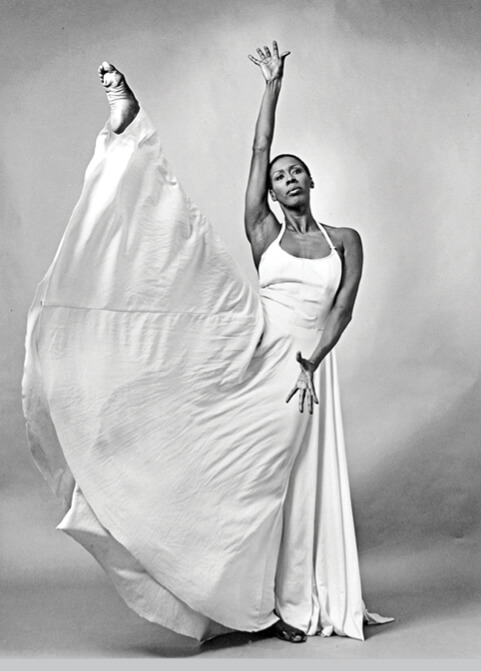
154	393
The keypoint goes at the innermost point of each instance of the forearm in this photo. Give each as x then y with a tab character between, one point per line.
264	131
337	321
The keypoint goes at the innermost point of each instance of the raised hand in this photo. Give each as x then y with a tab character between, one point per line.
304	385
271	64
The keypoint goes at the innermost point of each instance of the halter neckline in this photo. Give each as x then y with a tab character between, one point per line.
323	231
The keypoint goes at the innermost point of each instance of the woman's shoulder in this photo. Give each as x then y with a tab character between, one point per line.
343	236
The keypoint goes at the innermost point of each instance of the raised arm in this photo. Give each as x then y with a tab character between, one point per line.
260	222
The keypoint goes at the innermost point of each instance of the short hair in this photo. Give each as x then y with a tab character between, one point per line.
283	156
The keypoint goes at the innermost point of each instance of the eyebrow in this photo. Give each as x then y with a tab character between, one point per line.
281	170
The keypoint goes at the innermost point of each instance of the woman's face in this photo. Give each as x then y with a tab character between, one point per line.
290	181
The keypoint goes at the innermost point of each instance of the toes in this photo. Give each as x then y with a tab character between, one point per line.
289	634
295	638
110	77
105	68
292	637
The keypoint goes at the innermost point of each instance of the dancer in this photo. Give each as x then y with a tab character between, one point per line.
302	236
155	385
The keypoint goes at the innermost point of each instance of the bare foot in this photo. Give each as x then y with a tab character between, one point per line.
123	104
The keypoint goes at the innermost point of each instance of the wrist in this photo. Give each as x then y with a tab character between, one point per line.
274	81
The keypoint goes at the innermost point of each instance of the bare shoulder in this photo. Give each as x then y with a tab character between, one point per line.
349	246
345	239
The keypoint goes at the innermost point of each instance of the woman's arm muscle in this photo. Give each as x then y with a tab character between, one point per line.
341	312
260	222
259	219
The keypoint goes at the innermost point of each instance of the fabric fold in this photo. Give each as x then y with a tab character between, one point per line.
154	387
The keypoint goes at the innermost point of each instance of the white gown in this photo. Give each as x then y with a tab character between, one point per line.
154	393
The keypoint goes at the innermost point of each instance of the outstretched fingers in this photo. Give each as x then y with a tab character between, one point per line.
291	394
306	392
312	391
267	54
275	51
302	398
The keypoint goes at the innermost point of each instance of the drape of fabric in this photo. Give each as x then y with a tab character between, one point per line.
154	388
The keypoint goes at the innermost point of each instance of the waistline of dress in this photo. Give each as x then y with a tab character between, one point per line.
290	319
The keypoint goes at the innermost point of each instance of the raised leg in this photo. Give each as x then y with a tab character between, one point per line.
123	104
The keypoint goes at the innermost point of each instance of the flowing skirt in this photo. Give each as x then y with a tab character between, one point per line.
154	392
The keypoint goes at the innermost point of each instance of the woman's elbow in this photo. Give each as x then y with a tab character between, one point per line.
261	146
344	315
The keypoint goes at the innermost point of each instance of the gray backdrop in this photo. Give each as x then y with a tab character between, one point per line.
382	99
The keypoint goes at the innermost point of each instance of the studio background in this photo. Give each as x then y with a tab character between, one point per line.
382	100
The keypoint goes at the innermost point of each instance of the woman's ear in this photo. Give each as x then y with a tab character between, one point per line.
272	195
312	185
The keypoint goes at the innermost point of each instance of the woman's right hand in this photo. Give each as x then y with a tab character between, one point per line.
271	64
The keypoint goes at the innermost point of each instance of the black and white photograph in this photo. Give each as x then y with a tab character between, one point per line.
240	375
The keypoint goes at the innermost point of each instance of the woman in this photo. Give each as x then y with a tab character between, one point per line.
290	183
154	385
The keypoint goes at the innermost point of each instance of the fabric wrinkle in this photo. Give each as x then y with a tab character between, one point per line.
159	384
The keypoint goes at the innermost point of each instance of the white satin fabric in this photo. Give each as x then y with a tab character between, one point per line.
154	393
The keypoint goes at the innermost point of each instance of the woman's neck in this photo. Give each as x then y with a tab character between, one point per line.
300	222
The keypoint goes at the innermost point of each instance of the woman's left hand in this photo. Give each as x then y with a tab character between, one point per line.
305	385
